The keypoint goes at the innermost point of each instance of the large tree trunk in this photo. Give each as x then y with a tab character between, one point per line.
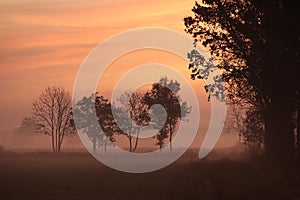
279	140
298	123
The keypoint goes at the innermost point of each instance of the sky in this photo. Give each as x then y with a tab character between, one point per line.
44	43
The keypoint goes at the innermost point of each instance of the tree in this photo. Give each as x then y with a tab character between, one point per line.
297	121
235	121
248	123
131	115
101	129
253	134
161	136
52	115
106	119
27	125
255	44
165	93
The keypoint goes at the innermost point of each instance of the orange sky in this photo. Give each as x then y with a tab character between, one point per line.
44	42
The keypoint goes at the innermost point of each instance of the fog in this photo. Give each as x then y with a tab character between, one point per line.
17	141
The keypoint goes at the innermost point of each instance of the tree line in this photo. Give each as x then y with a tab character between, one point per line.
131	113
52	114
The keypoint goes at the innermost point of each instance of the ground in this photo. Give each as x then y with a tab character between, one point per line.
79	176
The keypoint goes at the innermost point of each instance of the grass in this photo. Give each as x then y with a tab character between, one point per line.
79	176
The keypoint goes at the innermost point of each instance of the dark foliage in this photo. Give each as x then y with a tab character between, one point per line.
256	46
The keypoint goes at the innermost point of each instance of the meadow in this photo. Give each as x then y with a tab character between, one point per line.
45	175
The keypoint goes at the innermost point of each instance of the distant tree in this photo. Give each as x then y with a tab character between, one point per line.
165	93
235	120
27	125
138	113
248	123
158	121
106	120
161	136
94	117
52	115
253	134
132	114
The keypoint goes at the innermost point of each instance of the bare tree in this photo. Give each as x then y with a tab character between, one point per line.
235	122
52	114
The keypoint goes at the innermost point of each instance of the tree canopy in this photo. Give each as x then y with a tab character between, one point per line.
255	44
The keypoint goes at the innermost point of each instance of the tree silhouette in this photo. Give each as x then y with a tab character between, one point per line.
235	121
297	121
255	44
165	93
52	115
253	134
131	116
106	120
94	117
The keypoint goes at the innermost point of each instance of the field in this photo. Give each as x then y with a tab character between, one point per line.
79	176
